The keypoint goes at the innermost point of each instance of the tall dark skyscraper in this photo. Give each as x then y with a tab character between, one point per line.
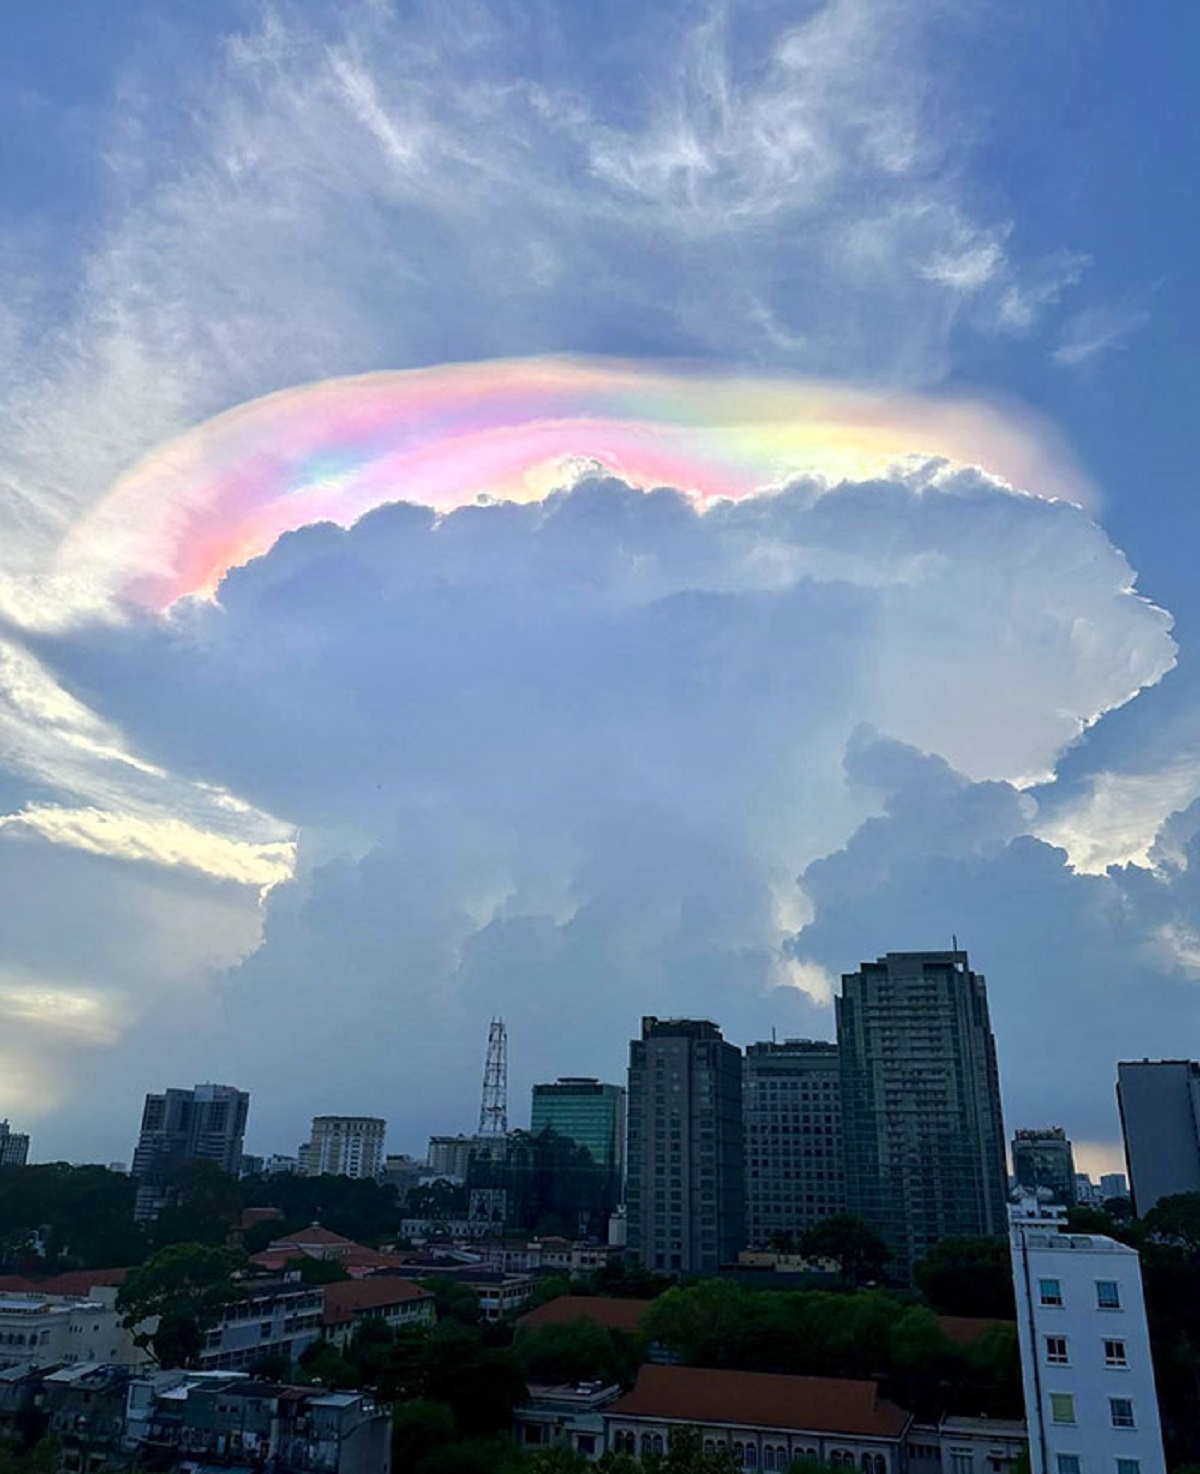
205	1124
686	1197
1159	1100
921	1116
792	1109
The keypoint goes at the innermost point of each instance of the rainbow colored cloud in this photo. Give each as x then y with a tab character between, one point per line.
513	430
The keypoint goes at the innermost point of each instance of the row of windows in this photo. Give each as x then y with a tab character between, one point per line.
1120	1409
1108	1293
745	1455
1058	1353
1073	1464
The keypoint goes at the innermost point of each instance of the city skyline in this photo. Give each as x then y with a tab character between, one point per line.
587	512
407	1140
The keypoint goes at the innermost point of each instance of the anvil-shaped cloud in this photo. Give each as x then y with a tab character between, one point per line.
573	752
514	430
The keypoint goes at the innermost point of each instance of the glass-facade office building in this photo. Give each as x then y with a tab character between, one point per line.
587	1112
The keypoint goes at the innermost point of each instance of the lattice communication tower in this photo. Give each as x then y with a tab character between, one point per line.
493	1108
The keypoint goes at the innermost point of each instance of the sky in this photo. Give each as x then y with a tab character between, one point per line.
575	512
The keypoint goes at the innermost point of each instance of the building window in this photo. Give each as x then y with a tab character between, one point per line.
1108	1295
1056	1350
960	1462
1129	1466
1114	1354
1062	1407
1068	1464
1122	1412
1050	1292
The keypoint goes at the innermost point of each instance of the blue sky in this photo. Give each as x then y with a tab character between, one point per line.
202	203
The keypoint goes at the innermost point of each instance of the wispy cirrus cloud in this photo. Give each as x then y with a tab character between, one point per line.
1098	330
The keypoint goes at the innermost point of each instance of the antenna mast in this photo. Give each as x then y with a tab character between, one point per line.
493	1107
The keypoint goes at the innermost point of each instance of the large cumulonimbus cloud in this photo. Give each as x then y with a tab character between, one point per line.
570	760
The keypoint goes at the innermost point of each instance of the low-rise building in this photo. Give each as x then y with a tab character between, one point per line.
382	1300
568	1416
966	1446
190	1421
764	1419
37	1330
84	1408
276	1318
318	1242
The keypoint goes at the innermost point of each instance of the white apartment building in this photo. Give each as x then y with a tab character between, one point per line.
344	1146
1090	1400
40	1330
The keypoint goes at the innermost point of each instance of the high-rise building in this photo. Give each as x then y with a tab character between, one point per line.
344	1146
686	1190
14	1147
1113	1185
590	1114
921	1118
1090	1400
792	1114
205	1124
450	1156
1043	1162
1159	1101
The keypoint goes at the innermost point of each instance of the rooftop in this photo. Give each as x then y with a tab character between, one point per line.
344	1299
616	1314
762	1400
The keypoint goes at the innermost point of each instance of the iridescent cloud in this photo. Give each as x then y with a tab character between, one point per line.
512	430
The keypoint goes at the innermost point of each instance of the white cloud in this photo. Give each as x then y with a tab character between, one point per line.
1096	330
344	186
580	749
1118	818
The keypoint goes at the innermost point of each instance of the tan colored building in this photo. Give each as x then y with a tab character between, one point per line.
344	1146
384	1300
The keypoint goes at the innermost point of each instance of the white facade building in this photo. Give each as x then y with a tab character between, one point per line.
1090	1400
344	1146
40	1330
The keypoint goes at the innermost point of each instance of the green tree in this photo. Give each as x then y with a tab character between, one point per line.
549	1287
1175	1220
318	1271
204	1206
968	1276
612	1462
575	1352
42	1458
452	1300
858	1249
685	1455
418	1428
556	1461
481	1385
186	1287
84	1214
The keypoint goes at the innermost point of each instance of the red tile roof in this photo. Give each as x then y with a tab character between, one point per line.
344	1300
74	1282
315	1233
761	1400
616	1314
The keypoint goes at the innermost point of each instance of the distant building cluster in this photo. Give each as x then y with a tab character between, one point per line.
707	1156
14	1147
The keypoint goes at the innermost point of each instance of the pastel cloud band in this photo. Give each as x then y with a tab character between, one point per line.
512	430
